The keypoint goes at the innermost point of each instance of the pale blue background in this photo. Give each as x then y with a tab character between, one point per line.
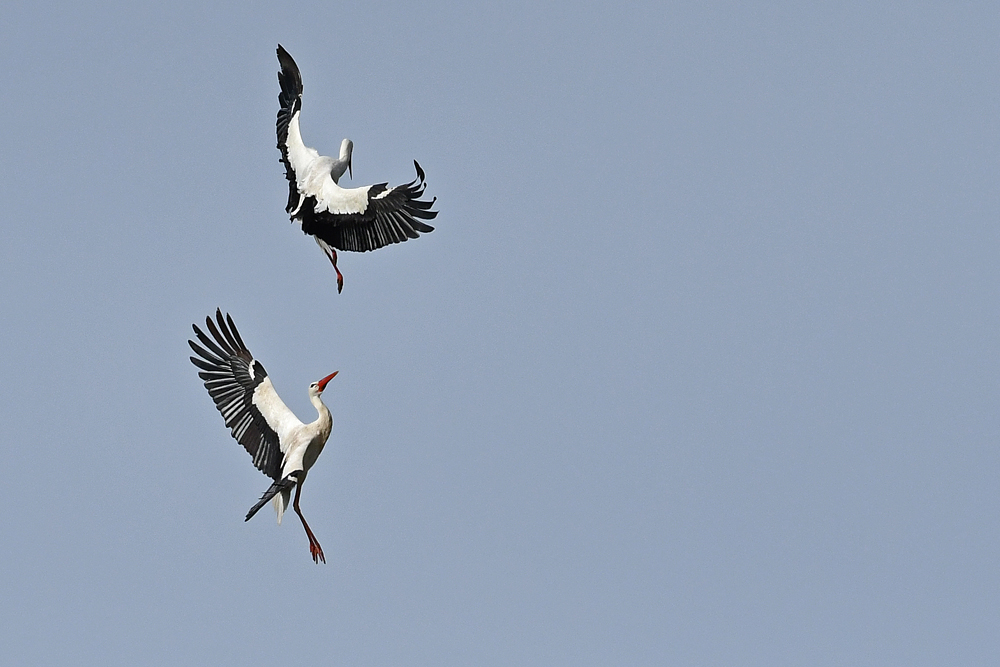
699	368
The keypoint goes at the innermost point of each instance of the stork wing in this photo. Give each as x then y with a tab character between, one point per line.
295	155
362	219
242	392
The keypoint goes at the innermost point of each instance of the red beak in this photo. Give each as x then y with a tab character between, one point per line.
322	383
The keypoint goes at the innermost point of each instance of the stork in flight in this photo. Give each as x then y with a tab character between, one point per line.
354	219
282	447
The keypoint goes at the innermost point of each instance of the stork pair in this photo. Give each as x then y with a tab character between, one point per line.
353	219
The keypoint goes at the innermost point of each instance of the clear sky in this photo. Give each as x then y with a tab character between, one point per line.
700	366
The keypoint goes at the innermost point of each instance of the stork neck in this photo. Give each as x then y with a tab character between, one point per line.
324	417
337	169
339	166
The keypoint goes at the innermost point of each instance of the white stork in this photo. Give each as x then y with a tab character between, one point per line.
355	219
282	447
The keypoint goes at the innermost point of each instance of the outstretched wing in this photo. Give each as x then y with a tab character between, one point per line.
364	219
295	155
242	392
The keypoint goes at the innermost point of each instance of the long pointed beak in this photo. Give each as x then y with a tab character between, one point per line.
322	383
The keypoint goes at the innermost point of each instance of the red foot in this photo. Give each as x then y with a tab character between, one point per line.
317	552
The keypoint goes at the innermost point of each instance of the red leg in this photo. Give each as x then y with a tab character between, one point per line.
340	278
314	548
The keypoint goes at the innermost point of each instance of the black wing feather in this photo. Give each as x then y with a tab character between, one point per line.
289	102
393	215
226	370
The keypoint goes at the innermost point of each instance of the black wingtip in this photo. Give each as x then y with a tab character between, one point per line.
285	60
420	172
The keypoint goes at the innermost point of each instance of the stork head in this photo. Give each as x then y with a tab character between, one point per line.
346	148
316	388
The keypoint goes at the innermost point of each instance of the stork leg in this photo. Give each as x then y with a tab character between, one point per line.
329	251
314	548
340	278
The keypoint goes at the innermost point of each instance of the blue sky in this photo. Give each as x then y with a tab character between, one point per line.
699	366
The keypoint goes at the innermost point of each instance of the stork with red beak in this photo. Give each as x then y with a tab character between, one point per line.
354	219
282	447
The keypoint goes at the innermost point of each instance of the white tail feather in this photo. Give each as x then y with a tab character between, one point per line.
281	502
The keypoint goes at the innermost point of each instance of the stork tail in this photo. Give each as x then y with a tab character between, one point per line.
282	487
281	503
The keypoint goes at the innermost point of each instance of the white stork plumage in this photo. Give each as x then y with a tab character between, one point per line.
282	447
354	219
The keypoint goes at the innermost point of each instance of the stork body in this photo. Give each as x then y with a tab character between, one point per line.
353	219
281	446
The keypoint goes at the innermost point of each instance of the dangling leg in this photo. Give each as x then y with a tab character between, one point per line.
340	277
314	548
332	254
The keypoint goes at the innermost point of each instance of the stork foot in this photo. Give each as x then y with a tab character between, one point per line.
317	552
340	281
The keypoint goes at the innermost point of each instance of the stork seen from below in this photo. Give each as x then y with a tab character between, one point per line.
354	219
282	447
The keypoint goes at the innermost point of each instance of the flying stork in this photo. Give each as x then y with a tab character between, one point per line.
282	447
354	219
